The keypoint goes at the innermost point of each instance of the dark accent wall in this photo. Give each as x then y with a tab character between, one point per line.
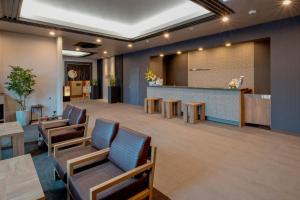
83	69
176	69
119	74
285	70
100	77
262	67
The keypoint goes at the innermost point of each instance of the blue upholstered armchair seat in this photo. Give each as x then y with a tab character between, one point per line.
81	183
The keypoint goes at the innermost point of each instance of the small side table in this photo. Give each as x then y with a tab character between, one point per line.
170	108
16	132
34	108
191	110
152	105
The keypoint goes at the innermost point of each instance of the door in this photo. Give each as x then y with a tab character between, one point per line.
133	85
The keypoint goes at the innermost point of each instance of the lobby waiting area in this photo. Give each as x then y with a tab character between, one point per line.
156	100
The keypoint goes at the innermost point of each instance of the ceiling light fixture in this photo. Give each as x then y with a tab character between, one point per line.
200	49
225	19
167	35
105	52
52	33
77	49
74	53
129	45
161	55
228	44
286	2
98	40
179	52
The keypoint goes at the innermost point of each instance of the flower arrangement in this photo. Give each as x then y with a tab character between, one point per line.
150	75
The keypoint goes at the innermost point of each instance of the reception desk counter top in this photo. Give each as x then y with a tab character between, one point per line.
223	105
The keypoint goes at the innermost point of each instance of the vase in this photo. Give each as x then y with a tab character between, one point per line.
23	117
151	83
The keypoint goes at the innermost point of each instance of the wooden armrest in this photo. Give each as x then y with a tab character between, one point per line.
53	131
69	143
54	123
118	179
85	158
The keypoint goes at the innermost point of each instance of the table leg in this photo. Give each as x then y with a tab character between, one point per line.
163	109
169	110
185	113
178	108
202	112
18	144
151	106
193	114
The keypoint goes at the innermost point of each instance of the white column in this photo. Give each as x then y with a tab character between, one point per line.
60	76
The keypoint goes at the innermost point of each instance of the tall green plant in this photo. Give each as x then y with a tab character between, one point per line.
112	81
21	82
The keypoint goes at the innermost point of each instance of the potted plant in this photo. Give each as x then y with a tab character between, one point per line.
150	77
113	91
94	89
21	82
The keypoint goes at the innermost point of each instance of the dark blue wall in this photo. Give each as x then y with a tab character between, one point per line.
285	67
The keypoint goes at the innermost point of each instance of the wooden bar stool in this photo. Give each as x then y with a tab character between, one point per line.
152	105
191	110
171	108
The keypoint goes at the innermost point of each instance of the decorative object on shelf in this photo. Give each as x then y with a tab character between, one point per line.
21	82
150	76
159	81
236	82
72	74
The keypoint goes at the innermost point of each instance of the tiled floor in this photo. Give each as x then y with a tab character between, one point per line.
213	161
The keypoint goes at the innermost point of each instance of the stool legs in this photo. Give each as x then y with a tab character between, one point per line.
169	110
185	113
202	112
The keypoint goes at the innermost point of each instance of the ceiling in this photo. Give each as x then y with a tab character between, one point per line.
266	11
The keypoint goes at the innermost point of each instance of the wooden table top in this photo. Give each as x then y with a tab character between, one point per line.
10	128
19	180
193	103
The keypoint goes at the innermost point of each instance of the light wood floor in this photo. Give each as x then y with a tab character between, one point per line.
211	161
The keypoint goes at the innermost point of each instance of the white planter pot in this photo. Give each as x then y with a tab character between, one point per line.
23	117
151	83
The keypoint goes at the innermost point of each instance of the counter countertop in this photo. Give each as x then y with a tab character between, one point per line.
204	88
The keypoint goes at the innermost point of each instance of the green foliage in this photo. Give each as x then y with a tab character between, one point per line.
21	82
94	82
112	81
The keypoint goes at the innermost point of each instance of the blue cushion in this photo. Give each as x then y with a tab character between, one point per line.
103	133
129	149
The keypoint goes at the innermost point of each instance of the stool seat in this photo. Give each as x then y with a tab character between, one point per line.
191	110
152	105
171	108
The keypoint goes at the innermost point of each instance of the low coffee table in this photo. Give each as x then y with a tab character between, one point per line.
16	132
19	180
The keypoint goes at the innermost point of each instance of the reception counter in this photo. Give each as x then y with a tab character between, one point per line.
222	104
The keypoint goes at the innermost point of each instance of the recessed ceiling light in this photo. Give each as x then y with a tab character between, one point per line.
167	35
105	52
286	2
225	19
228	44
77	49
252	12
200	49
98	40
52	33
161	55
191	28
129	45
179	52
147	41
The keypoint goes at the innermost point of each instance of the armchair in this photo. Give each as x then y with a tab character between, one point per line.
126	175
102	136
75	127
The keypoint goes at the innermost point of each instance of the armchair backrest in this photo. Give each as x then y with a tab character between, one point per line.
129	149
67	111
77	116
103	133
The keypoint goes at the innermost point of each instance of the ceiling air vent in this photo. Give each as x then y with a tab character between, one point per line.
87	45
